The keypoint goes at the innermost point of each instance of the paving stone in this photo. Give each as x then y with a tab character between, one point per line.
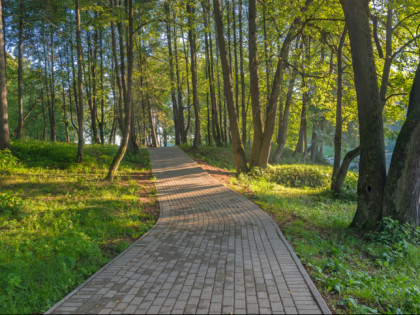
211	251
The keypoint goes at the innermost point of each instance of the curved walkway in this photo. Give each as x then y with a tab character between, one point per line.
212	251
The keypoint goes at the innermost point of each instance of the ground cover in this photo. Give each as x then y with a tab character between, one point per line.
374	273
60	222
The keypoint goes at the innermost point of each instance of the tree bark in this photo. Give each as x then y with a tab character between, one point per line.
267	69
127	96
79	87
53	130
284	124
372	170
221	124
235	58
191	39
241	66
181	126
262	142
337	185
238	147
117	76
19	130
210	73
66	121
301	144
388	53
338	115
101	121
402	189
188	89
172	75
4	118
254	85
90	78
155	142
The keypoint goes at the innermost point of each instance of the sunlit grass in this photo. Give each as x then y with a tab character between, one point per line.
60	222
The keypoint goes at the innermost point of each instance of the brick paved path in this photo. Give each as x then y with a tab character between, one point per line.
212	251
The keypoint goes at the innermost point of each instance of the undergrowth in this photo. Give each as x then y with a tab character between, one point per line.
355	273
60	222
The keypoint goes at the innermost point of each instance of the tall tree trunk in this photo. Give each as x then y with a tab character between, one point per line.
133	146
172	74
208	138
301	144
79	87
222	126
314	143
235	57
342	171
115	107
191	38
188	89
372	170
181	127
74	85
338	115
267	68
210	73
127	95
94	81
117	76
101	121
155	142
402	189
90	78
262	141
215	110
238	147
241	66
19	130
4	118
254	84
388	52
284	123
66	121
53	131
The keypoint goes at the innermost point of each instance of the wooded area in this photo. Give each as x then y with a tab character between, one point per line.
324	78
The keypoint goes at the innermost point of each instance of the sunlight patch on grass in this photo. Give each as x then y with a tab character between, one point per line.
60	222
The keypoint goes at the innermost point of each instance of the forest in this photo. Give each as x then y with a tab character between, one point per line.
251	86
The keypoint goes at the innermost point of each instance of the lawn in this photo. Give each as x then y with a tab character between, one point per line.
60	222
376	272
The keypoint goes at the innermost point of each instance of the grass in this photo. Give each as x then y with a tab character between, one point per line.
60	222
370	273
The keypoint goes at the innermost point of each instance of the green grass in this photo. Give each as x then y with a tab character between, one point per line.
60	222
373	273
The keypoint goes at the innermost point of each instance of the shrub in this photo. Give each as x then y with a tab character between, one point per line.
296	175
7	160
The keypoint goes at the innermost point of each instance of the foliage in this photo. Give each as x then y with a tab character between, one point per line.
9	204
7	160
59	222
296	175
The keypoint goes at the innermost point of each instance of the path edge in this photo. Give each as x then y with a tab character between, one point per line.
315	292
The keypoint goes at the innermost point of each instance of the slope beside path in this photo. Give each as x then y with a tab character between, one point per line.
211	251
